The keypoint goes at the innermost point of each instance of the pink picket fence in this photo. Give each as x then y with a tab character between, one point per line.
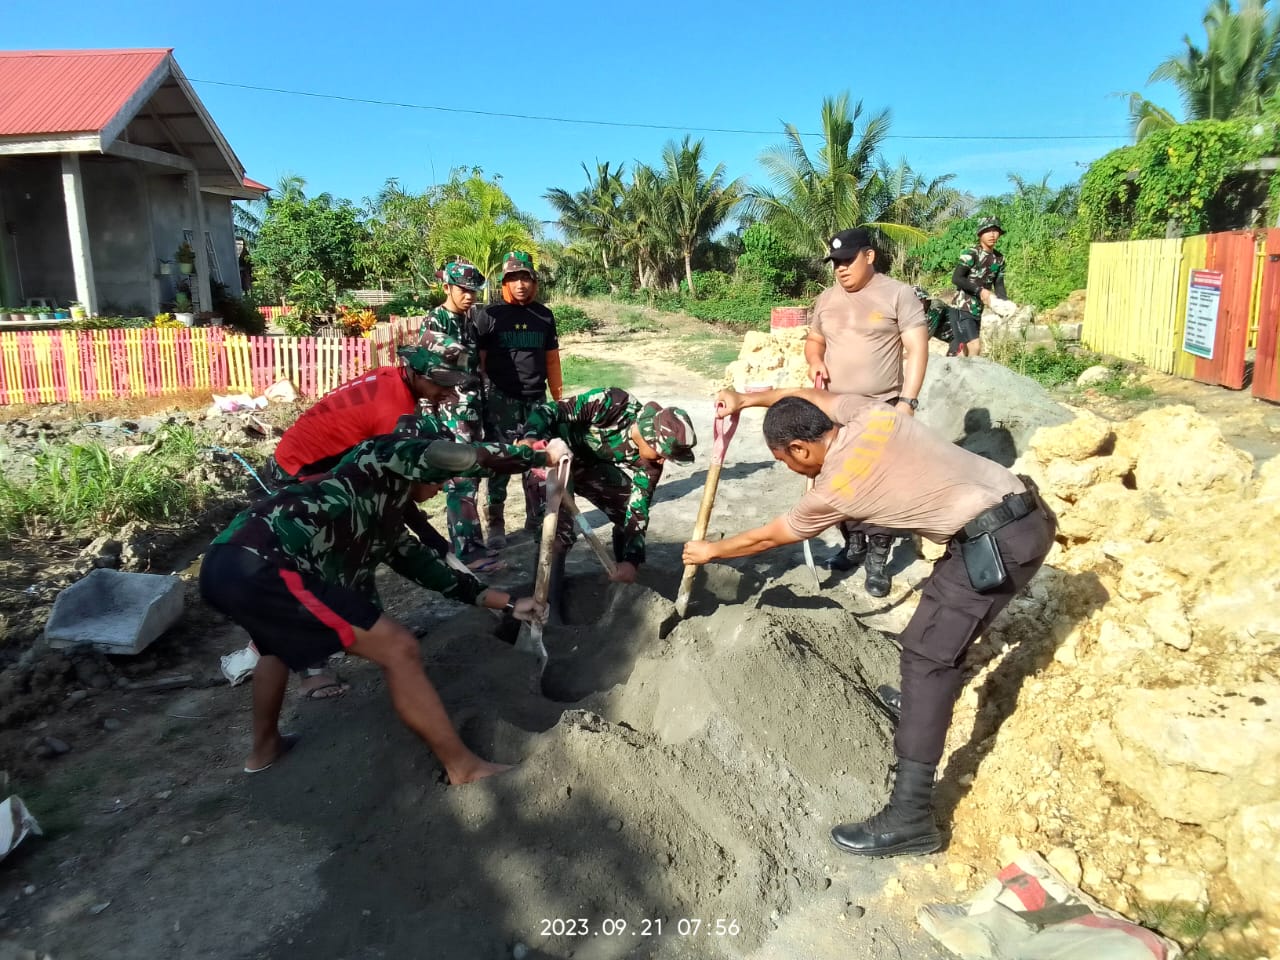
69	366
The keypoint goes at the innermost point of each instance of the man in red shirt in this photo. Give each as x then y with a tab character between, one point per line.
368	406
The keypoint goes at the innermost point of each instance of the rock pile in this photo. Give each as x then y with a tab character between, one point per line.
1136	725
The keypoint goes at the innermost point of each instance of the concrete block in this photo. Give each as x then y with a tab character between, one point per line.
119	613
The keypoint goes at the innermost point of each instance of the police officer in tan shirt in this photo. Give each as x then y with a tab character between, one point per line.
874	464
869	337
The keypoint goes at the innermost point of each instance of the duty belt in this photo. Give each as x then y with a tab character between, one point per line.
1013	507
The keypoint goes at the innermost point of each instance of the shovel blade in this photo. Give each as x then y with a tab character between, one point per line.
530	641
808	562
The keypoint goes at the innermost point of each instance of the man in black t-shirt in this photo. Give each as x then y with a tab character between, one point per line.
520	356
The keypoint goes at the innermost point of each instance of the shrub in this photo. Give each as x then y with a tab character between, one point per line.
571	319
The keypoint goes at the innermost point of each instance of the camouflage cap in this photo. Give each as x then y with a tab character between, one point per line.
517	261
989	223
438	357
461	273
669	431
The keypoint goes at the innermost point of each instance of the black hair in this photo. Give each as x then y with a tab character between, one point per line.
792	419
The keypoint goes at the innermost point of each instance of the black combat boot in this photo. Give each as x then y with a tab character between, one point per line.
905	825
891	697
878	582
851	554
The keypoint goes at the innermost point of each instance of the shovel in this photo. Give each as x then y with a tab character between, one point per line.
530	639
722	430
819	383
593	541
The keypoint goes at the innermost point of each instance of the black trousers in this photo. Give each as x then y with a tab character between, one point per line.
950	617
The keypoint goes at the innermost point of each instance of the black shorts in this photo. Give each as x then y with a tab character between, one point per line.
291	615
965	327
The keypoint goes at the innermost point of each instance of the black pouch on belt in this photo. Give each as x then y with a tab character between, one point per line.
982	562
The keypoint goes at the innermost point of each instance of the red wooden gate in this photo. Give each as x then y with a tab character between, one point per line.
1233	255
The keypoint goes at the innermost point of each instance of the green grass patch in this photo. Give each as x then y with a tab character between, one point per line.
56	802
634	320
584	373
1058	365
78	485
709	354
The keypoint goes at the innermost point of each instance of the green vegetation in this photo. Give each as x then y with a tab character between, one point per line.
581	373
708	354
637	321
80	485
1191	925
571	319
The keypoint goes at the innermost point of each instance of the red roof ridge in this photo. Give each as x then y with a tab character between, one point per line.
84	53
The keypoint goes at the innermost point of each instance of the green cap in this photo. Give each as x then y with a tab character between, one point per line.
517	261
669	431
989	223
461	273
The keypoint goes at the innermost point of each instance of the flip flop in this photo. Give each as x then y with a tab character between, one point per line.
287	742
487	565
320	692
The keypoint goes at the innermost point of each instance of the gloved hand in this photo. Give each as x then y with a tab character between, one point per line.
530	610
557	450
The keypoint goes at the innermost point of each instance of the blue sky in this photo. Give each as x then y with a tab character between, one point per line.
987	70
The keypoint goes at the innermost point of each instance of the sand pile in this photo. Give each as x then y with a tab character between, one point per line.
1134	732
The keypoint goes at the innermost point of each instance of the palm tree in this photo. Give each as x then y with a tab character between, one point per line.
592	216
479	222
1232	76
696	205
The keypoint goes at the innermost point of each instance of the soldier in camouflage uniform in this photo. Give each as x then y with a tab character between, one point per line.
619	447
296	570
520	357
465	417
978	275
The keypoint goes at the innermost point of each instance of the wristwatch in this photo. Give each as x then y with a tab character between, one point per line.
510	609
911	402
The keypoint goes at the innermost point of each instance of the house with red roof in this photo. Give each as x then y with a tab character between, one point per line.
109	164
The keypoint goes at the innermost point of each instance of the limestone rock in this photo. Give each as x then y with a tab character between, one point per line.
1070	479
1067	862
1098	373
1205	462
1085	436
1253	838
1162	883
1193	755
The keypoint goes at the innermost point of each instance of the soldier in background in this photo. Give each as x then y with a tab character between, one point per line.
465	417
520	357
977	277
619	447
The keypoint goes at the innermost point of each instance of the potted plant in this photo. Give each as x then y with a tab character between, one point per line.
78	311
4	313
182	309
44	313
59	313
186	258
166	267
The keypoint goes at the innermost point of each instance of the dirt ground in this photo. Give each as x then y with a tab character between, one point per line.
675	786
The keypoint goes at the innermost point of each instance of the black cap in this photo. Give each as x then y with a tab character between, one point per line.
847	244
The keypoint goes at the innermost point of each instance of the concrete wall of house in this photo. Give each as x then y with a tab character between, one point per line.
217	215
115	199
37	247
169	217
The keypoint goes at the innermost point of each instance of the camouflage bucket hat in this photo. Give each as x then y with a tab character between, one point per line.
989	223
461	273
669	431
440	358
517	261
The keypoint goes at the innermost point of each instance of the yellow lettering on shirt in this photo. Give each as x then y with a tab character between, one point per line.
866	453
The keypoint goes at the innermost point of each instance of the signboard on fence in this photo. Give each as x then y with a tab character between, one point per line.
1202	313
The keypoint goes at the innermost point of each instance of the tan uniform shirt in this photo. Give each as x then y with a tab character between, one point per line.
863	332
890	470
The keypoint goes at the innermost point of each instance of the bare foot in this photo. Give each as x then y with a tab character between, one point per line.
265	756
473	770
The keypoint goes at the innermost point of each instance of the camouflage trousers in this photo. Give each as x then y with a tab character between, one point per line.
461	513
608	489
506	416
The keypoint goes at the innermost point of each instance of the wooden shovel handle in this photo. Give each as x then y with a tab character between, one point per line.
557	476
699	533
